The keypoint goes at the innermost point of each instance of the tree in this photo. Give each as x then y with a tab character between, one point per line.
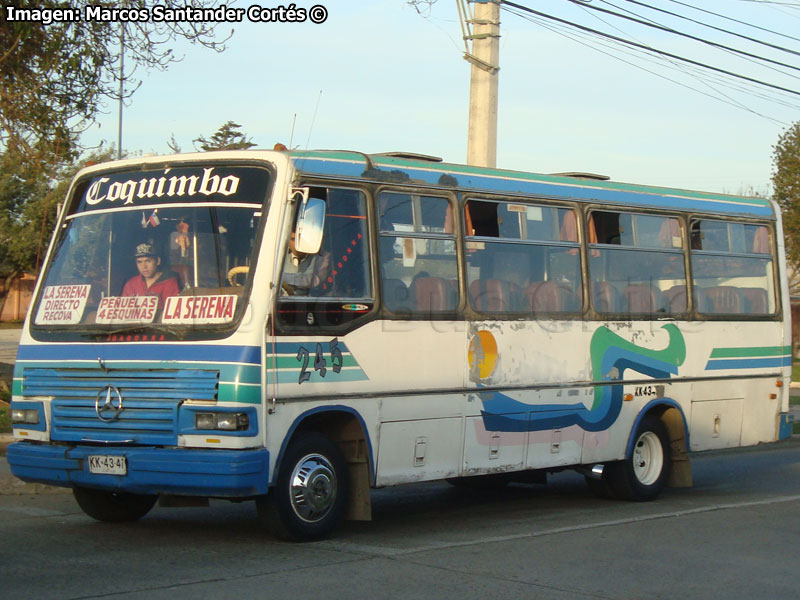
227	137
422	6
55	77
786	185
20	186
173	145
29	196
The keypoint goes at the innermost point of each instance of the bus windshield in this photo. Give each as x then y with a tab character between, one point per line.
165	249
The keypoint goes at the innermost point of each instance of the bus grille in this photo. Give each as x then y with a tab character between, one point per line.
150	402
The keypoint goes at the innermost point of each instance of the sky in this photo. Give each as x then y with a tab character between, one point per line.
380	76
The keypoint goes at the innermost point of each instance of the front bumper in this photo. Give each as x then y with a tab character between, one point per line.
785	426
150	470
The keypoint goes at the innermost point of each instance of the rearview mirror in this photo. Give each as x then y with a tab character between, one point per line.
310	221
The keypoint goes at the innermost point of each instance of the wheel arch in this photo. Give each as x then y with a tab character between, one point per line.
344	426
670	413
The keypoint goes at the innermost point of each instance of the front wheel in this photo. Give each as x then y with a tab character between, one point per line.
310	494
644	474
113	507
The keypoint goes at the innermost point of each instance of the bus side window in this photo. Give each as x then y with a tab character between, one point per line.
733	268
636	264
522	258
419	270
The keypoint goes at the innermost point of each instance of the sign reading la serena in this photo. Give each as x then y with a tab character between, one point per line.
161	187
199	309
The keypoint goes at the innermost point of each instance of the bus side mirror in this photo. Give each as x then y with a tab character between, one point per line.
310	221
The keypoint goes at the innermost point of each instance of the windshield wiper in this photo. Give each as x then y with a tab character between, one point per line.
139	328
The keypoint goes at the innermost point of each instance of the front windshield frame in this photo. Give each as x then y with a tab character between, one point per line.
155	330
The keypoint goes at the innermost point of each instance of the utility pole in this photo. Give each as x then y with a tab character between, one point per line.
481	26
121	86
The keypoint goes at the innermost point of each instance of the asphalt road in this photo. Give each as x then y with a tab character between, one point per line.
733	535
9	340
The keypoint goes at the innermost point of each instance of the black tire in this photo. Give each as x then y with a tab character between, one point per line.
642	476
310	495
113	507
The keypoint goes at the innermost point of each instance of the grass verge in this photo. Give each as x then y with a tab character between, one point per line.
5	414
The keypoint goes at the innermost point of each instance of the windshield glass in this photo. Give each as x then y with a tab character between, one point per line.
169	249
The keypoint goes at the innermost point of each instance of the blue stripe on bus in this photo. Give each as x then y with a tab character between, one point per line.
517	183
748	363
150	352
170	352
291	348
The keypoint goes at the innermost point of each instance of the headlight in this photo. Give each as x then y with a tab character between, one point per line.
24	416
227	421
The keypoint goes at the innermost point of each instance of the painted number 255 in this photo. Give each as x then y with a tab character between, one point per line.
320	364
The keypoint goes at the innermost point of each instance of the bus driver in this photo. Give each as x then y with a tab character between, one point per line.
304	274
150	281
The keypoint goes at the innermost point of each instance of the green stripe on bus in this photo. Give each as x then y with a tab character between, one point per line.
751	352
291	362
345	156
229	392
247	374
330	377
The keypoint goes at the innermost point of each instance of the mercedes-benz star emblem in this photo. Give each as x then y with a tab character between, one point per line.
108	404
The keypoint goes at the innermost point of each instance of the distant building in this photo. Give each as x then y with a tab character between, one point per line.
18	293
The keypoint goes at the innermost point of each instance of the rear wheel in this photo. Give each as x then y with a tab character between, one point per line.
113	507
642	476
310	495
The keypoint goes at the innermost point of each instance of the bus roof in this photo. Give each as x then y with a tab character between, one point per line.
401	169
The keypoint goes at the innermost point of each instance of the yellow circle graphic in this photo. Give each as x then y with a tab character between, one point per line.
482	355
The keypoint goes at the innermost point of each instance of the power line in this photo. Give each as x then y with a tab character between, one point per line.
720	29
690	70
686	35
764	29
696	72
717	94
791	4
650	48
714	95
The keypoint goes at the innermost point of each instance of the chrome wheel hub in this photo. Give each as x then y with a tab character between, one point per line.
313	487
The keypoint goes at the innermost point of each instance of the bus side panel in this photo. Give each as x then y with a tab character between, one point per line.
739	404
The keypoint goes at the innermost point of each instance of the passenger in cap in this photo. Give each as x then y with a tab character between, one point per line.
150	281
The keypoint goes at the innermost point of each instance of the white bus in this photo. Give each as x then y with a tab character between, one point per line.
299	327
